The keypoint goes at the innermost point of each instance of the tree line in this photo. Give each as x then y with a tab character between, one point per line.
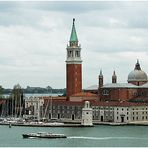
31	90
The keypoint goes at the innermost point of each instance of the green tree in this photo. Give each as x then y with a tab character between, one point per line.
49	89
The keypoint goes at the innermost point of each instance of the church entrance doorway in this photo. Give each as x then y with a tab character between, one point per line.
58	116
122	119
73	117
49	115
101	118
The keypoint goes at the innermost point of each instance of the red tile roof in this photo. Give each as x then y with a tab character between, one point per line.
84	94
68	103
63	101
124	104
95	103
53	98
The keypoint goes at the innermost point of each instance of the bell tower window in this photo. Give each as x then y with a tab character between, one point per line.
77	54
70	54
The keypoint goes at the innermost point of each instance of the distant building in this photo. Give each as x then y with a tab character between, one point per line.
34	108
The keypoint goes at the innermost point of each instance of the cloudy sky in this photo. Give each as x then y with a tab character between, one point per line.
34	35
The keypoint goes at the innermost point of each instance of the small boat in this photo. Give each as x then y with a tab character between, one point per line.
43	135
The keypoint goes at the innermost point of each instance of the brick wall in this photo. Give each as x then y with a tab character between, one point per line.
74	79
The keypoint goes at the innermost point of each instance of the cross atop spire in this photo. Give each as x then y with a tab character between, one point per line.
137	66
73	37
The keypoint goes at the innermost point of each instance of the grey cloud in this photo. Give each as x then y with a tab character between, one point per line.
67	6
33	36
97	13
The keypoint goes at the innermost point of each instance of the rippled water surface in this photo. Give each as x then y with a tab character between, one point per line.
99	135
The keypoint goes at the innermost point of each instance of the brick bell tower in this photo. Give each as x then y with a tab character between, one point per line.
73	65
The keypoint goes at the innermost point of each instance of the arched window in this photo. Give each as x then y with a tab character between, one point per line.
105	92
70	53
77	54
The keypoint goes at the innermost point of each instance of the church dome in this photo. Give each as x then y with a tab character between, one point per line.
137	75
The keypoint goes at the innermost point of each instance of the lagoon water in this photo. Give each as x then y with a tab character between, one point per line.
98	136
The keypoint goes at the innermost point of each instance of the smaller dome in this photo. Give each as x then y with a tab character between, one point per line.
137	75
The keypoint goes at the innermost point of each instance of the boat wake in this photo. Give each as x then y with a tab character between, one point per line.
32	137
105	138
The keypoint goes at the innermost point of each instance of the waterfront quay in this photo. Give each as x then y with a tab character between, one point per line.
54	124
69	124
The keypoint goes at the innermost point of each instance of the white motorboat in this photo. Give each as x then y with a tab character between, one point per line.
43	135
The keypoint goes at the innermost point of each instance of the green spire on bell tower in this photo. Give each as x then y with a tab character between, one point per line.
73	37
